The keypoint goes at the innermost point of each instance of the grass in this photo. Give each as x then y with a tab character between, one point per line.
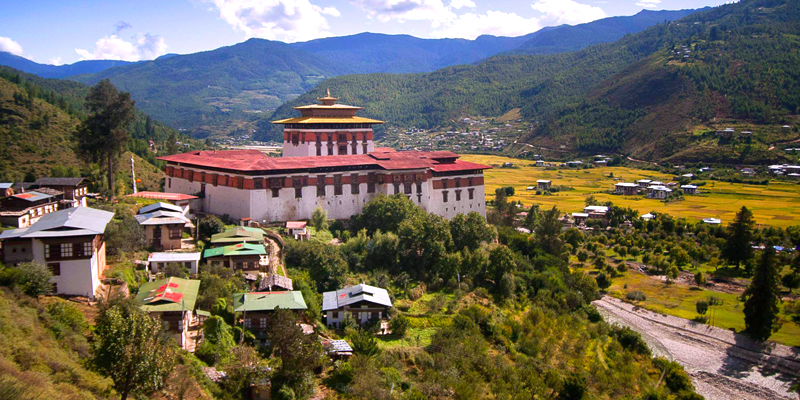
774	204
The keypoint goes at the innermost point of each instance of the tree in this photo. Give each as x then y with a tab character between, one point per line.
323	262
399	325
532	217
103	135
385	213
470	230
243	368
129	347
701	306
763	295
603	282
699	279
319	219
299	353
365	343
218	341
791	281
33	278
548	231
737	248
124	234
210	225
424	239
501	261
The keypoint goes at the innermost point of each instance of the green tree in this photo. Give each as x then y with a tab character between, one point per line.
217	341
386	213
103	136
244	368
701	306
399	325
323	262
424	239
33	278
737	248
383	252
532	217
124	234
210	225
319	219
791	281
130	348
501	261
365	343
603	282
299	353
763	295
548	231
470	230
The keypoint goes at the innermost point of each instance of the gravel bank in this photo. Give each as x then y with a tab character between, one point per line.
723	365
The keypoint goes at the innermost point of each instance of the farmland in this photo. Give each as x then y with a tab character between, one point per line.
776	204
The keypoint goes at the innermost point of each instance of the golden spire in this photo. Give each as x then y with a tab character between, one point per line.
328	100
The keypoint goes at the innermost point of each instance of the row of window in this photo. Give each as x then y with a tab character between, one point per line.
470	194
262	323
68	250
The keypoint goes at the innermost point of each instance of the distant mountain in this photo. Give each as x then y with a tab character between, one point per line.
645	95
57	71
572	38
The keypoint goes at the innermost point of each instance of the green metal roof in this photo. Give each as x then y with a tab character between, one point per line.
238	235
171	294
241	249
267	301
202	313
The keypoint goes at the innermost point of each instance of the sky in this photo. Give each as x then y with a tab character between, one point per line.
63	32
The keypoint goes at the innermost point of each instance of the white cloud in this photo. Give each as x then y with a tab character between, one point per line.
648	3
8	45
459	4
498	23
55	61
568	12
143	47
433	11
287	20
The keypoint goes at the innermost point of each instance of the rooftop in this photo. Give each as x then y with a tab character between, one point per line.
171	294
239	234
296	224
74	181
173	257
163	196
78	221
241	249
32	196
355	294
160	206
268	301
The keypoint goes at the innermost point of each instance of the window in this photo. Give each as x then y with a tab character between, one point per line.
247	323
469	181
458	182
55	268
297	183
52	251
330	150
320	185
262	323
444	183
66	250
85	249
295	139
354	184
419	187
444	196
458	195
364	147
175	232
407	187
275	192
471	193
258	183
335	315
396	187
343	149
319	149
337	185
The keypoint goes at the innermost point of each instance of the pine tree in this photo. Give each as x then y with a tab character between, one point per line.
737	247
763	294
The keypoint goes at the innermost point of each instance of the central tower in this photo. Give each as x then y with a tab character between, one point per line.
327	129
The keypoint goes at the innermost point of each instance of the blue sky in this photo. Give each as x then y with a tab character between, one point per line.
58	32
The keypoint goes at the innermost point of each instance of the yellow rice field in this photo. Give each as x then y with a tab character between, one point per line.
777	204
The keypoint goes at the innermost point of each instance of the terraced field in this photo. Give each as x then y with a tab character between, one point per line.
776	204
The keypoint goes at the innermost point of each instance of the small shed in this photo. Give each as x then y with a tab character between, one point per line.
156	262
298	229
543	184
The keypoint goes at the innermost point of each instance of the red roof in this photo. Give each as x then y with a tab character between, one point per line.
296	224
163	196
254	160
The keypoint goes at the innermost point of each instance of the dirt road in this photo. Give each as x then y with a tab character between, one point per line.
723	365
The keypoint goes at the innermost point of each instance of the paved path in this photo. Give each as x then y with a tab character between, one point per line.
722	364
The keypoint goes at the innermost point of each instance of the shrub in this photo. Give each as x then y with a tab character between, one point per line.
399	325
33	279
631	340
210	225
365	343
603	282
636	295
583	255
699	279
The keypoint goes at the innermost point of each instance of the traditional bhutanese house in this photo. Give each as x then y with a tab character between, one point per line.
364	302
171	300
643	183
74	189
712	221
543	184
658	192
156	262
6	190
596	212
626	188
181	200
257	307
163	225
298	229
22	210
579	218
70	242
689	189
540	163
648	216
241	257
239	234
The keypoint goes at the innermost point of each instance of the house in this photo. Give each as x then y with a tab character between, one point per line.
74	189
257	307
540	163
6	190
626	188
580	218
171	300
748	171
239	234
689	189
543	184
601	163
648	216
156	262
22	210
163	225
574	164
689	175
364	302
70	242
643	183
298	229
658	192
242	256
712	221
274	281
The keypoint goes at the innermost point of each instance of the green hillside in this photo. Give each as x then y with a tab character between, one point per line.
626	96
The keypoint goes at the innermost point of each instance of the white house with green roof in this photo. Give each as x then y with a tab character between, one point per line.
257	307
242	256
239	234
171	300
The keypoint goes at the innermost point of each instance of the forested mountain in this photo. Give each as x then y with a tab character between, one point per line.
639	95
223	90
38	118
572	38
57	71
